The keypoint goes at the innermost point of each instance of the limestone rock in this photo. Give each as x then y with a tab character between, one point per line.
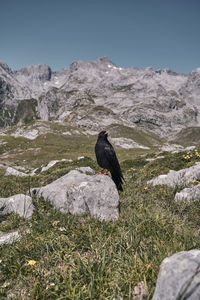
52	163
171	148
179	277
14	172
80	194
32	131
192	193
127	143
86	170
178	178
139	291
174	148
20	204
9	237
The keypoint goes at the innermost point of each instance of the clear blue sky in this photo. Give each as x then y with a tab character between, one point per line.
141	33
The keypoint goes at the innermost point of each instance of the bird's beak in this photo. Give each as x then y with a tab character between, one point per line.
107	132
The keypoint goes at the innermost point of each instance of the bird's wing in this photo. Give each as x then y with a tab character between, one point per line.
114	166
112	159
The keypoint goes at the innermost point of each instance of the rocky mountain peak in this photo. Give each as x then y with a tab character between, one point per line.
102	63
169	72
5	67
197	70
40	72
106	61
194	77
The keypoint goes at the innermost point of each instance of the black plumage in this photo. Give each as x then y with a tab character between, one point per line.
107	159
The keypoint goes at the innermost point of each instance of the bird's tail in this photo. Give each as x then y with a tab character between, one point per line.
118	180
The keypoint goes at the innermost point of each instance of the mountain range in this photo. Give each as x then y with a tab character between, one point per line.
96	94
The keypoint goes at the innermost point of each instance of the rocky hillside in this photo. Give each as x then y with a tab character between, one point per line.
95	94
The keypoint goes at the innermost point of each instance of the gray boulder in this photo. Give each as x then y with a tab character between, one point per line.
51	164
179	277
20	204
9	237
14	172
80	194
178	178
86	170
192	193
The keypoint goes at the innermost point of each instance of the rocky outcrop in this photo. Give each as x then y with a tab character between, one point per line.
52	163
191	89
179	277
178	178
14	172
9	237
34	73
86	170
182	178
75	192
126	143
26	85
81	194
20	204
192	193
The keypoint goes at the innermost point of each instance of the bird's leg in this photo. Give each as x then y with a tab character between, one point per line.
100	172
103	172
107	173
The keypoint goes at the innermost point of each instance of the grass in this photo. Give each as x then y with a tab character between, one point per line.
55	145
83	258
188	136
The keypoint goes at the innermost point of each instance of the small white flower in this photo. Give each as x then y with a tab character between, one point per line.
62	228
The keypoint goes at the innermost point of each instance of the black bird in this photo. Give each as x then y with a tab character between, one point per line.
107	159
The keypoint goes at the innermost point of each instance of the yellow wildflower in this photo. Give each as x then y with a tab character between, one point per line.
31	262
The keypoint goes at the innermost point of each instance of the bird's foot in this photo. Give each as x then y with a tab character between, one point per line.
103	172
106	173
100	172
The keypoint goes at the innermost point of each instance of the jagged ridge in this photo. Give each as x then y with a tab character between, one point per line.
95	94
